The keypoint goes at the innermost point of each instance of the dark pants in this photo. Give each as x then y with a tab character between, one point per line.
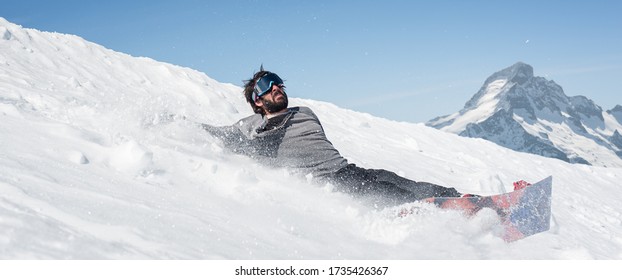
385	187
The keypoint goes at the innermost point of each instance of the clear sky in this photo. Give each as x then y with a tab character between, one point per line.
401	60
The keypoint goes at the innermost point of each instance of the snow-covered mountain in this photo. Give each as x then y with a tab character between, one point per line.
526	113
93	167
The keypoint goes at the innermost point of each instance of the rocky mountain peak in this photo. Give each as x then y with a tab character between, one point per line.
616	112
520	111
518	73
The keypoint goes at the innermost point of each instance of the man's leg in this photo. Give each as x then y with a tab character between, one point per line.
415	190
387	186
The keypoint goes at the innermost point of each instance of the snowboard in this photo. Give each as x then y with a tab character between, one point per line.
523	212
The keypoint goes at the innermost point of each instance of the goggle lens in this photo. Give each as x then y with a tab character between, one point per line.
265	83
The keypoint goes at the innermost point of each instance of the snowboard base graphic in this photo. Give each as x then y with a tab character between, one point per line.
523	212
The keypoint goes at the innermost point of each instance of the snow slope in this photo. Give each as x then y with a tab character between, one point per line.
92	166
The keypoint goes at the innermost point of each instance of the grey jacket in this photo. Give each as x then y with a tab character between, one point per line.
293	140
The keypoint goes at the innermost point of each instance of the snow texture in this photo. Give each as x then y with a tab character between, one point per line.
95	163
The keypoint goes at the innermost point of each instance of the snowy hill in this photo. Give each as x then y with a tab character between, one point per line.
520	111
92	167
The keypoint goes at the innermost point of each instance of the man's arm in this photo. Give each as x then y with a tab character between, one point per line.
224	133
233	138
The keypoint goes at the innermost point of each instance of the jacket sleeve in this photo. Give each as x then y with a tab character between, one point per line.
233	138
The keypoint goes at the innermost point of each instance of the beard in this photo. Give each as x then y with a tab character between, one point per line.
276	106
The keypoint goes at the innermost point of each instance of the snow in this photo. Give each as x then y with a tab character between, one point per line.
94	166
572	143
611	124
486	107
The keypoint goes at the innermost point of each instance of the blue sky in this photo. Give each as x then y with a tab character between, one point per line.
401	60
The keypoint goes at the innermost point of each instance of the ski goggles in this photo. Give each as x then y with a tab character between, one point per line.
265	83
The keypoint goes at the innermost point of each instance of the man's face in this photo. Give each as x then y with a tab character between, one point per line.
274	101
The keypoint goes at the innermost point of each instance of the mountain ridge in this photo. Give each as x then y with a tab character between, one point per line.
543	119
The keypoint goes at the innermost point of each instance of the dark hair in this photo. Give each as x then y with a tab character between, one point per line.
249	87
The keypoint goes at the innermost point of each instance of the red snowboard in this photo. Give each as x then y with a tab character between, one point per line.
524	212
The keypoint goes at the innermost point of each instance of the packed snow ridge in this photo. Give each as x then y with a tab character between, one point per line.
94	166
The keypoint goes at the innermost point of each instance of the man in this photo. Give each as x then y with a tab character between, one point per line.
294	138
